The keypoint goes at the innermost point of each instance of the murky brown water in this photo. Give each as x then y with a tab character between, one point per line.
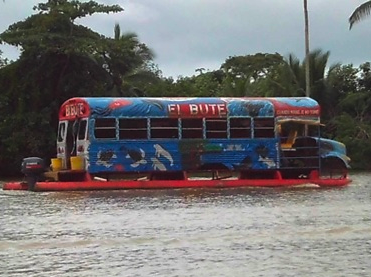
225	232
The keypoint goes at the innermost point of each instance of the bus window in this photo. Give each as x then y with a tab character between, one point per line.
82	130
264	127
240	127
192	128
61	131
164	128
105	128
216	127
132	128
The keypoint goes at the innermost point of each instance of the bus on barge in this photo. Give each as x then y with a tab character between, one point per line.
158	143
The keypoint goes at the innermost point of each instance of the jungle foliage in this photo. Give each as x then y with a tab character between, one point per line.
60	59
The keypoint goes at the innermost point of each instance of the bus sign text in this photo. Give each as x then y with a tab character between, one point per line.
197	110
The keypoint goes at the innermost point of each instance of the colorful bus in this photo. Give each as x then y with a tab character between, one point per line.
167	142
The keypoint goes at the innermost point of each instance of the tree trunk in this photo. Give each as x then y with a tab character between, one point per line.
307	67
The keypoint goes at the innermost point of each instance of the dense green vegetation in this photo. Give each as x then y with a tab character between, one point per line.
61	59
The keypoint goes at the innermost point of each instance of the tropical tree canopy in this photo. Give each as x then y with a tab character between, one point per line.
360	13
3	61
59	59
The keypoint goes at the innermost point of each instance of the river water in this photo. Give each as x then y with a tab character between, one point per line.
208	232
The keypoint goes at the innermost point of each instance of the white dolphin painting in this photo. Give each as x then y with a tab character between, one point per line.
161	152
157	165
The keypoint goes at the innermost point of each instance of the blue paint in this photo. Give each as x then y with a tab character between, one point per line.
146	155
170	156
158	107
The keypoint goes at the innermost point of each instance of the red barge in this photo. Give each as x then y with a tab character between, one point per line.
169	143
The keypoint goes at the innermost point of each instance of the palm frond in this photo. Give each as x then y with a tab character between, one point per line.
360	13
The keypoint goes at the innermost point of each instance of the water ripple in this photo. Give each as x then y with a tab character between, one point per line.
207	232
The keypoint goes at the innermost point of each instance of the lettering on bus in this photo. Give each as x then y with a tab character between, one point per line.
297	112
197	110
75	110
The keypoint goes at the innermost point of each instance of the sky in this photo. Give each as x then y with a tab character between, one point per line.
186	35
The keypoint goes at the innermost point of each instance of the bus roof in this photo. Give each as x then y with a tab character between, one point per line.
189	107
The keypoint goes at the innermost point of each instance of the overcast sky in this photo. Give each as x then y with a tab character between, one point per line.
190	34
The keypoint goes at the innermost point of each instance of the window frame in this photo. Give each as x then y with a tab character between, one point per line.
164	128
216	128
136	126
240	128
259	131
192	130
105	128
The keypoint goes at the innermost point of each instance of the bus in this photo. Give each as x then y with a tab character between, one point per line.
234	141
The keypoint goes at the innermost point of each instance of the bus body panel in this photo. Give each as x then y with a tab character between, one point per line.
189	107
182	155
98	129
333	149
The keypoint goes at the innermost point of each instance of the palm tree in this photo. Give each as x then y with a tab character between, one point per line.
360	13
129	62
318	64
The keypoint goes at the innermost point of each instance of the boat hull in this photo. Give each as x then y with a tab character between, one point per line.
174	184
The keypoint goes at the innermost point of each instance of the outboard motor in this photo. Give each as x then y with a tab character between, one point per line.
33	169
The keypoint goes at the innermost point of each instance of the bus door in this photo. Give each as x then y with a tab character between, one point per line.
82	141
72	140
62	148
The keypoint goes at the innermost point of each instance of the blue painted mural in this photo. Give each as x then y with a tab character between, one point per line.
230	133
157	107
194	154
183	155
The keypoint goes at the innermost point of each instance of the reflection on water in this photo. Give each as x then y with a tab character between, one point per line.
188	232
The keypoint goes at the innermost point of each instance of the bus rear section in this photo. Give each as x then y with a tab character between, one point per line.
73	144
72	140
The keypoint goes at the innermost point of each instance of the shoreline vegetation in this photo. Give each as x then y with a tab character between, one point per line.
78	61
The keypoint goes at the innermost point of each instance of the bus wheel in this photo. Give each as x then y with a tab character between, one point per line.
333	167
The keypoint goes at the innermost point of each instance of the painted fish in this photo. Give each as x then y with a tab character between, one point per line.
104	158
136	155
